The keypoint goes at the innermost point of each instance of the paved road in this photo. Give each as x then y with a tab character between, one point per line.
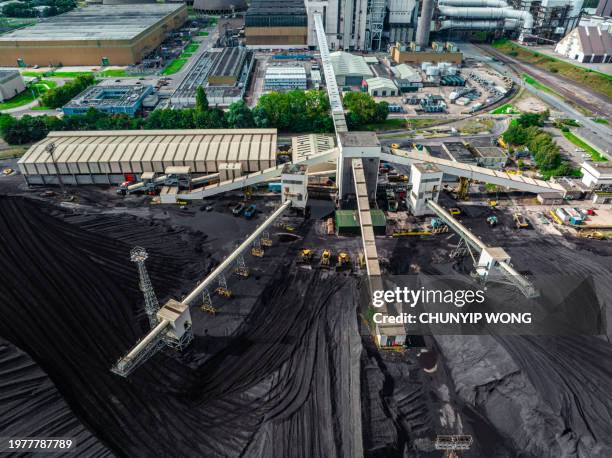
599	135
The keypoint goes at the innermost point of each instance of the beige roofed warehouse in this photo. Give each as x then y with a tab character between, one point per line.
105	157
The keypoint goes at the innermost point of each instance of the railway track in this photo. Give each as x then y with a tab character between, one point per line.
568	89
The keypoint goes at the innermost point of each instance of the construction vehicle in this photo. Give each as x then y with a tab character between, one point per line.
306	256
361	260
493	204
463	189
454	211
223	292
520	221
257	251
492	221
265	239
209	309
326	258
344	261
438	226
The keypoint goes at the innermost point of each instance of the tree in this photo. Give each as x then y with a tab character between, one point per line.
364	110
201	99
515	134
239	116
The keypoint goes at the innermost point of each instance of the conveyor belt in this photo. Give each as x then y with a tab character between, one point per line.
473	172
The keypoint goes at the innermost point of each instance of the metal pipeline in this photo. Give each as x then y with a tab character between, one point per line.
491	3
470	13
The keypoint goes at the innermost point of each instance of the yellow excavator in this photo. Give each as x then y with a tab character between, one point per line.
326	258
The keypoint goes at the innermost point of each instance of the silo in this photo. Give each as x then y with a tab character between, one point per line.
422	33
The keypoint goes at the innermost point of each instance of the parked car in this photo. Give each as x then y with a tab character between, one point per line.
250	211
238	209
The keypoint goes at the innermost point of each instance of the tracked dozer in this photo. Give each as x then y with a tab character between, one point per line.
306	256
344	261
326	259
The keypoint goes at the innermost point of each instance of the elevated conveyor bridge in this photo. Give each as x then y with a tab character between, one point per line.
473	172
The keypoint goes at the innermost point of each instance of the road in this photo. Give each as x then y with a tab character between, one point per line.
598	135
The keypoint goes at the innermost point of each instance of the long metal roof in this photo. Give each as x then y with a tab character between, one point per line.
95	22
155	146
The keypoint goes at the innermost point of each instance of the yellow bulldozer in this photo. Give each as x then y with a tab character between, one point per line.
326	258
344	261
306	256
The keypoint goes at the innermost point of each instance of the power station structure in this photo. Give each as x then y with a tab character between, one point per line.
369	24
357	159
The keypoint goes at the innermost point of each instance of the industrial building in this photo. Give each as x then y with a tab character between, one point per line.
219	6
414	54
381	87
276	24
597	174
408	78
11	84
350	69
112	99
224	75
587	45
457	151
230	67
120	34
106	157
491	157
285	77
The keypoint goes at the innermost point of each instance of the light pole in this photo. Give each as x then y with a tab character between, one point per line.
50	148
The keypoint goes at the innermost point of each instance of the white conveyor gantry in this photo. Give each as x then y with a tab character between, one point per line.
227	262
524	285
337	110
473	172
252	178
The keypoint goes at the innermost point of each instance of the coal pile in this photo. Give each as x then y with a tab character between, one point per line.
285	384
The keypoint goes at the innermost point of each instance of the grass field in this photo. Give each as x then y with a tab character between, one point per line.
191	48
117	73
17	101
595	155
601	121
596	81
174	66
389	124
535	83
507	108
14	151
202	34
26	96
55	74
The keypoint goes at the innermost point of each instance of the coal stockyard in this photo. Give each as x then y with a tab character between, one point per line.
286	367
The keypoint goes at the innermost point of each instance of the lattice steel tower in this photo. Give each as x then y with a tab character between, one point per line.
139	255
